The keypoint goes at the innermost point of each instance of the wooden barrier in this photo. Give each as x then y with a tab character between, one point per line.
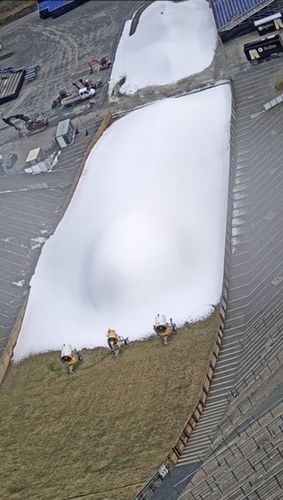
8	351
173	457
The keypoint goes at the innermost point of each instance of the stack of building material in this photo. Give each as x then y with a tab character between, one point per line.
10	84
31	73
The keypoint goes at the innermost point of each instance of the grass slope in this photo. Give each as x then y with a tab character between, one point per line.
102	431
10	10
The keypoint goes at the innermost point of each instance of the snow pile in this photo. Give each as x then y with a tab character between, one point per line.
144	232
172	41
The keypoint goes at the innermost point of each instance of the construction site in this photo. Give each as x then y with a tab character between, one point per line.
181	402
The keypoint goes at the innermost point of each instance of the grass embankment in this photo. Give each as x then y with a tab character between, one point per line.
10	10
103	430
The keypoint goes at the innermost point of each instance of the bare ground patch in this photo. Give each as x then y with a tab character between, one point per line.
10	10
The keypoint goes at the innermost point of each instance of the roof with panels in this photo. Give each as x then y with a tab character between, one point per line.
228	12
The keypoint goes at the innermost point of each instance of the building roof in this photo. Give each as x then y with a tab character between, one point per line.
62	127
226	11
33	155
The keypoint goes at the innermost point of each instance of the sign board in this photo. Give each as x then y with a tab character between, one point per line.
268	24
260	50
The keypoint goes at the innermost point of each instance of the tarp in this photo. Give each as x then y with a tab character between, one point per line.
56	8
50	4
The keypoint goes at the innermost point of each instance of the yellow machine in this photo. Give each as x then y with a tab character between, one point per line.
70	357
115	341
162	328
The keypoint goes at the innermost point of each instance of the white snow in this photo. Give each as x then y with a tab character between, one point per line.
37	242
172	41
19	283
144	232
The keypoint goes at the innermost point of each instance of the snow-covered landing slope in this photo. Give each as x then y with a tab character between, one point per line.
172	41
144	232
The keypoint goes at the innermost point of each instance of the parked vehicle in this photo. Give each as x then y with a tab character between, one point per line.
82	95
32	125
10	160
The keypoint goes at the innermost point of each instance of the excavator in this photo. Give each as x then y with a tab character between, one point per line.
32	125
104	63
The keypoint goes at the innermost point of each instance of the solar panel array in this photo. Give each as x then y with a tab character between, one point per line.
226	10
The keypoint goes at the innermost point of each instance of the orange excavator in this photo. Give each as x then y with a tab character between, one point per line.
104	63
32	124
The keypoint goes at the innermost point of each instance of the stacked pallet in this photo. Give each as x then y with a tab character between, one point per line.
31	73
11	84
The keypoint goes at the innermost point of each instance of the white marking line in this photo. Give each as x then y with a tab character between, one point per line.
234	328
228	370
234	335
211	406
223	377
227	356
222	395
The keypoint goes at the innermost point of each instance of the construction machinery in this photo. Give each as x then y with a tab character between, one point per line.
57	101
89	84
162	328
70	357
66	99
83	94
104	63
115	342
33	125
86	89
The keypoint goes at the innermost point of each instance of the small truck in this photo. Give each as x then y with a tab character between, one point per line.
82	95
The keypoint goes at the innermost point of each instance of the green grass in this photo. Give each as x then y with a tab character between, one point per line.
10	10
103	430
